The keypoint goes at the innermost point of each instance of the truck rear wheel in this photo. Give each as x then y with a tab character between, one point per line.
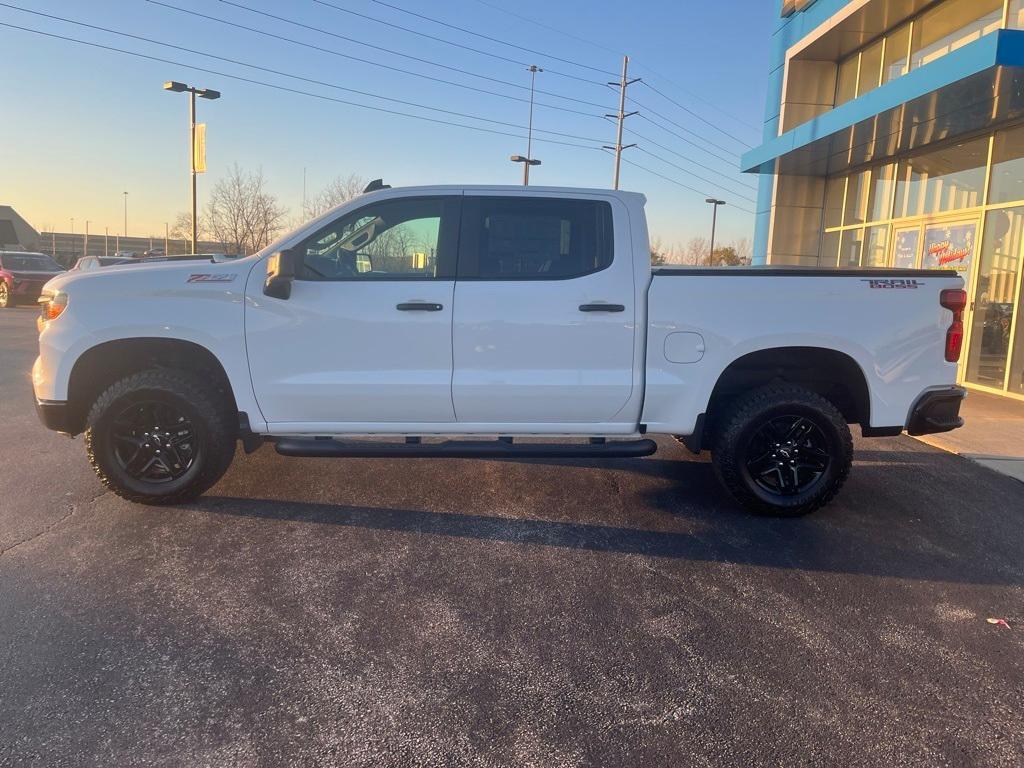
160	437
783	450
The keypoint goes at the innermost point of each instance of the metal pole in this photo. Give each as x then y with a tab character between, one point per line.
125	233
106	241
167	235
714	220
192	163
534	69
85	247
53	243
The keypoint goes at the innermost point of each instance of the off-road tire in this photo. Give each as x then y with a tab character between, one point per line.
749	413
216	432
6	300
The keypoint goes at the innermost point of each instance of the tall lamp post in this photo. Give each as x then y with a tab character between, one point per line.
714	220
125	233
85	248
528	160
203	93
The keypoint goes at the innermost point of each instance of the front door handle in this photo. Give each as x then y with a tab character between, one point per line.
419	306
602	308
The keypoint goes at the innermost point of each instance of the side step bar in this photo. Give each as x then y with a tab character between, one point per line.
463	449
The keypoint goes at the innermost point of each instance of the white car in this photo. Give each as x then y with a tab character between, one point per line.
470	321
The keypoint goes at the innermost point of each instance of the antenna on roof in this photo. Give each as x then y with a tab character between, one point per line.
376	184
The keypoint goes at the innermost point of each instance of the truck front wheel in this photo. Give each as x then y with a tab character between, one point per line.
782	450
160	437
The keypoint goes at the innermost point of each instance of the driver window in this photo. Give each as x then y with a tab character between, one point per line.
390	239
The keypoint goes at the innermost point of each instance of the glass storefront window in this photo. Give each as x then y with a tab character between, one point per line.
905	244
897	46
850	246
1007	184
870	68
880	196
1016	20
874	246
996	300
942	180
834	190
829	249
857	198
951	245
846	82
952	25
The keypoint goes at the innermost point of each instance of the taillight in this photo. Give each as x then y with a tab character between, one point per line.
955	300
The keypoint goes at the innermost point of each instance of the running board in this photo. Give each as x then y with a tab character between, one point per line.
463	449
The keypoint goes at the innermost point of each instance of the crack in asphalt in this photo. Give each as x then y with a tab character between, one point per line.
72	509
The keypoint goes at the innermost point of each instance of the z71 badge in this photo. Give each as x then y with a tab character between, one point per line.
208	278
888	283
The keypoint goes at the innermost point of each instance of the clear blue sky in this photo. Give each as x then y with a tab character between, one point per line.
81	125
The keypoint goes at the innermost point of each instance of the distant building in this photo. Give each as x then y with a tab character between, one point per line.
894	137
15	232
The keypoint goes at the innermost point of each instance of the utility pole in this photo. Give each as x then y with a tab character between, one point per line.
106	241
125	233
624	83
167	235
85	248
714	220
53	244
529	159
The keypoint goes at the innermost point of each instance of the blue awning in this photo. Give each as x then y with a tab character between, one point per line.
976	87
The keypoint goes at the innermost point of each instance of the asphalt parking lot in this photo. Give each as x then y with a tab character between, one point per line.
423	612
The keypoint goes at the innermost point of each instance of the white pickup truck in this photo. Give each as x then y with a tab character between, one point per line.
487	321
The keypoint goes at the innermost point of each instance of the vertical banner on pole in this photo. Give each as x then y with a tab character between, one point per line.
199	150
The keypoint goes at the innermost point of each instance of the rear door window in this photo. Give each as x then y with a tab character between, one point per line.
534	238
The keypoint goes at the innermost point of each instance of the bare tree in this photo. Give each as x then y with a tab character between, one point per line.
696	251
744	250
181	229
340	190
242	214
659	255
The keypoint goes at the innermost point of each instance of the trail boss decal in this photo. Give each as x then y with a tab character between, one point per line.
205	277
889	283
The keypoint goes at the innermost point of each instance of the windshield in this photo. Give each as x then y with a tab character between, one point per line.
30	262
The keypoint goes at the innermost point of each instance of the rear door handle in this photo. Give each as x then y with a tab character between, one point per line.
602	308
419	306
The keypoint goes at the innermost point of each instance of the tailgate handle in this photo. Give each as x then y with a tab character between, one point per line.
602	308
419	306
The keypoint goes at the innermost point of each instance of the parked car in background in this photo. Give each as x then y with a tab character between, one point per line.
95	262
126	254
22	276
427	313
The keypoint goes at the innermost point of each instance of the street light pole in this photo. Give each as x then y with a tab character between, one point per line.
204	93
714	220
106	241
527	161
125	233
85	249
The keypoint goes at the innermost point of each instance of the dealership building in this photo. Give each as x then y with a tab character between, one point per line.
894	137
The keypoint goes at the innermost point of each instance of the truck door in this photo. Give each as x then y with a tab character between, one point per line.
544	320
366	335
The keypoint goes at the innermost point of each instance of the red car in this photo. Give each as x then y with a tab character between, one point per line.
23	275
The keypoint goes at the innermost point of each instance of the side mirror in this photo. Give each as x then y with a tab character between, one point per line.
280	274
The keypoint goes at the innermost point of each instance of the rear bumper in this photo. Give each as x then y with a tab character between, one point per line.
937	411
55	415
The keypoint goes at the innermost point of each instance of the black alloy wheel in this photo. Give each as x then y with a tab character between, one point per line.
153	441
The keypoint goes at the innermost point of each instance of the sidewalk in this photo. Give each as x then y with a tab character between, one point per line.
993	433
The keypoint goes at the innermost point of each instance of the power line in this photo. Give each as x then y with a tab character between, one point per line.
690	112
677	183
548	27
428	36
640	64
729	160
261	68
694	175
688	159
297	91
733	157
333	52
488	37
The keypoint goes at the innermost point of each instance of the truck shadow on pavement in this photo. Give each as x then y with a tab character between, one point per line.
874	528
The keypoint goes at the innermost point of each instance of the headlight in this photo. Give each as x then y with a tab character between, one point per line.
51	306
